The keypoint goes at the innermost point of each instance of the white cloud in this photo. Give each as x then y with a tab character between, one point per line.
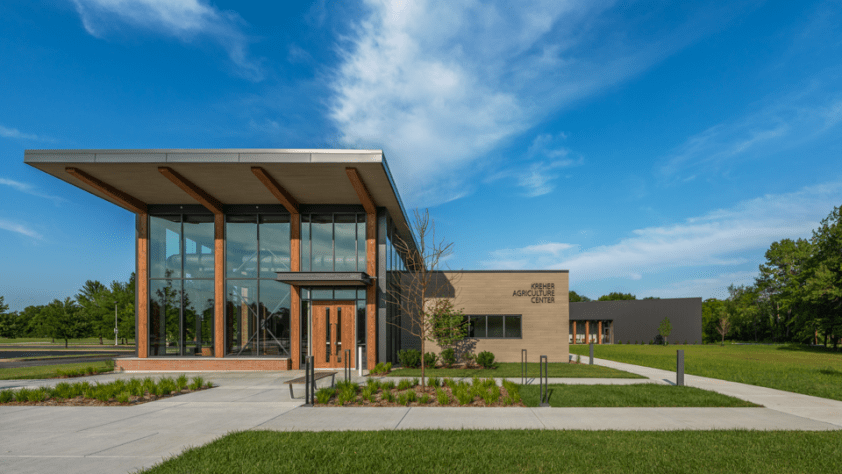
714	286
15	133
182	19
441	84
28	189
719	238
789	121
20	229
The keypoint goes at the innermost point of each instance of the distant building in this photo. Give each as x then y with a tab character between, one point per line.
635	321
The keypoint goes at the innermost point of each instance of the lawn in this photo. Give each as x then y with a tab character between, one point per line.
511	370
50	371
60	342
52	356
638	395
483	451
790	367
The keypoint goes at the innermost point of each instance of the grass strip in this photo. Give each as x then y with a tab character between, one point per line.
484	451
58	342
791	367
638	395
54	357
511	370
51	371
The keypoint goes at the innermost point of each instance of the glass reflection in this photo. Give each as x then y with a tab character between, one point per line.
513	326
321	231
198	317
241	249
345	235
198	246
164	315
165	247
274	245
495	326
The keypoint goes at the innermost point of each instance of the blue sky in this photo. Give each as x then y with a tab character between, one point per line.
656	148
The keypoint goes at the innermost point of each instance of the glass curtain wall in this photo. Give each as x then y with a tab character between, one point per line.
333	242
181	299
257	313
394	267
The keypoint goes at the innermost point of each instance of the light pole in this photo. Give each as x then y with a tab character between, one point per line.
115	324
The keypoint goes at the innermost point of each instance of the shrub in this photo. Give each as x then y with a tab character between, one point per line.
402	399
485	359
448	357
323	395
433	382
387	385
198	382
430	359
404	384
463	395
441	397
346	394
424	399
491	395
6	396
22	395
513	390
388	396
470	359
409	358
620	342
123	397
373	384
181	382
368	393
411	396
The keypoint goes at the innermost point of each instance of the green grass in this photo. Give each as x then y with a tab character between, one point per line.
60	342
484	451
511	370
794	368
50	371
51	357
639	395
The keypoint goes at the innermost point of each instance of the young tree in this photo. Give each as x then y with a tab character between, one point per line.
418	290
93	300
723	326
449	323
665	329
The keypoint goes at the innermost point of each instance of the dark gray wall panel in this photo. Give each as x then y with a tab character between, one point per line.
638	320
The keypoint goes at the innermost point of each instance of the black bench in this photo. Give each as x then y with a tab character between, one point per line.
318	376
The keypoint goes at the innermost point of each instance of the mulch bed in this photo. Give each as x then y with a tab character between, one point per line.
92	402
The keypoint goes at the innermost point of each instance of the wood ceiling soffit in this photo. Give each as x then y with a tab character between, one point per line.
128	201
276	189
197	193
362	191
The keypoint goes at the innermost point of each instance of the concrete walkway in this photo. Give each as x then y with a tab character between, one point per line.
117	439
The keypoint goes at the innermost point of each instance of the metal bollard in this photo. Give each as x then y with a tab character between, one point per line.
679	368
591	359
523	367
543	380
309	386
347	365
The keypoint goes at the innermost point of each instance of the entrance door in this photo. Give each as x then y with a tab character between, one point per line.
333	333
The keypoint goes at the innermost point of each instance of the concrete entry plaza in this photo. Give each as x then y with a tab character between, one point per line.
117	439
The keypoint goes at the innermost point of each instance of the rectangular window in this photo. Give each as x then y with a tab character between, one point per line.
495	326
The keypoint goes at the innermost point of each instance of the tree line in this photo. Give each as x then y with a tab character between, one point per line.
797	296
90	313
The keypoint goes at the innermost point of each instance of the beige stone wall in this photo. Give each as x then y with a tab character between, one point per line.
544	324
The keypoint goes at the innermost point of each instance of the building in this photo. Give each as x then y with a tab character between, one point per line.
252	259
635	321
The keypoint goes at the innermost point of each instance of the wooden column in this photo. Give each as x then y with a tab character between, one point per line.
371	291
295	291
574	332
142	282
219	285
587	332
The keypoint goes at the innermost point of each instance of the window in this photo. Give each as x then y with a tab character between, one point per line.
333	242
494	326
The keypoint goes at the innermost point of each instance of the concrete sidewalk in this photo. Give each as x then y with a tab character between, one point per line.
118	439
806	406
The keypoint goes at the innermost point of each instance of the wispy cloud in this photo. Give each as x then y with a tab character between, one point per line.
789	121
20	229
537	170
440	84
185	20
6	132
724	237
29	189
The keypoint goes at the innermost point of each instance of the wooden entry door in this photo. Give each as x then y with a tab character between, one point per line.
333	333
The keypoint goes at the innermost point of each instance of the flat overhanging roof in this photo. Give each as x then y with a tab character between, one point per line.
309	176
325	278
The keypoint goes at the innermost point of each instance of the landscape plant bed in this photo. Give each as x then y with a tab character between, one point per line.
438	393
512	370
133	391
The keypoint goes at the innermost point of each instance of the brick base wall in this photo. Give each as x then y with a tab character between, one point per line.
134	364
